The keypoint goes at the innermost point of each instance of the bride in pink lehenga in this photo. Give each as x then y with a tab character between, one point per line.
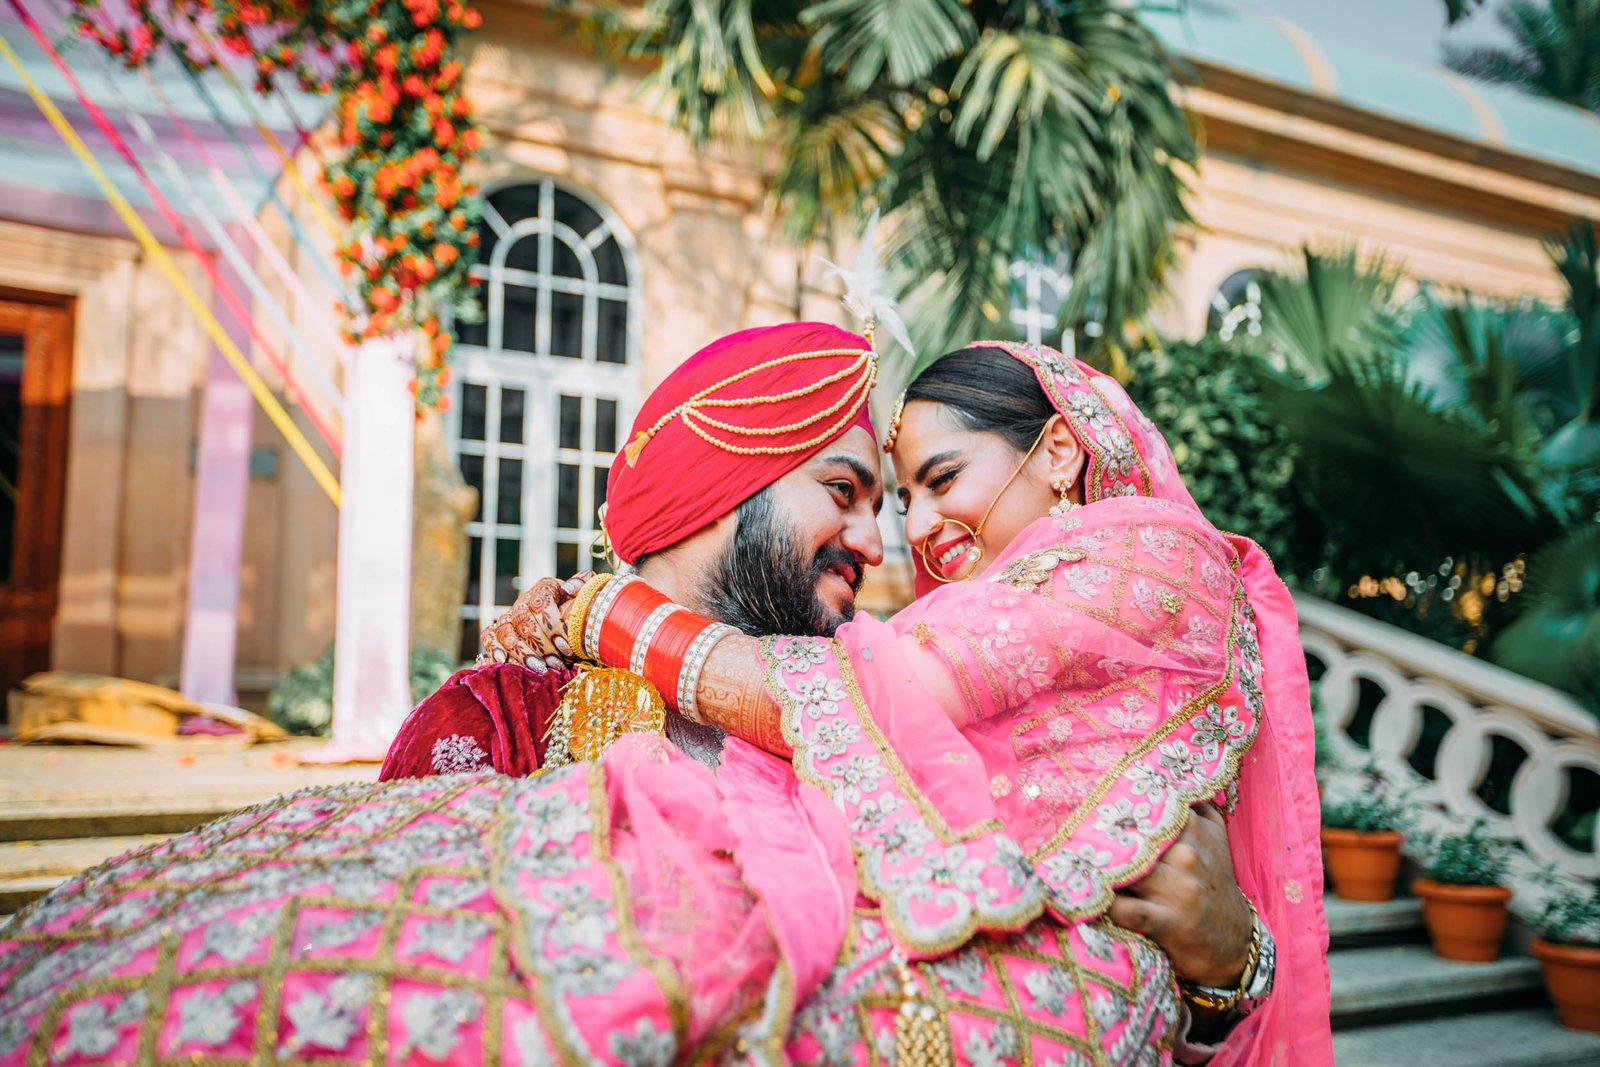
920	875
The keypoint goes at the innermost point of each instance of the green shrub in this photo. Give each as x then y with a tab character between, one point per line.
1571	914
1205	399
303	701
1472	858
1376	806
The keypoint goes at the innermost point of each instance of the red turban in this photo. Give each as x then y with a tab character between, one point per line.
738	415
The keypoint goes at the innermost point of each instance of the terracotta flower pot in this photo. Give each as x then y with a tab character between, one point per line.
1572	976
1362	866
1466	922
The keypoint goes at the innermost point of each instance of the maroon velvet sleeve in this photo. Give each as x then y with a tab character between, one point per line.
489	717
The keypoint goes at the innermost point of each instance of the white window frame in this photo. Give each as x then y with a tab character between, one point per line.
544	379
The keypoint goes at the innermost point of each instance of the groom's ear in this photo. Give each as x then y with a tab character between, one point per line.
1063	451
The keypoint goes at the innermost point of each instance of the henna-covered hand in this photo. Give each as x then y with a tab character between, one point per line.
532	632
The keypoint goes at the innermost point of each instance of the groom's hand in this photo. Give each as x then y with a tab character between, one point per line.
1191	906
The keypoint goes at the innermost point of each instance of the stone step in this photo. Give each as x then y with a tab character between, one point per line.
30	869
1527	1037
1354	920
1372	985
128	819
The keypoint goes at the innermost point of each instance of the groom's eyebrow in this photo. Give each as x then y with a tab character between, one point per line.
932	462
864	474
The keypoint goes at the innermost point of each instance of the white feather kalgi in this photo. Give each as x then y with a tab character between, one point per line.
864	294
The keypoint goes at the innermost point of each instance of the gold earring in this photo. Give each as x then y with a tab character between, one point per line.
1064	505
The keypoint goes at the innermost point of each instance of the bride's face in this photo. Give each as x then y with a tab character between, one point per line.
946	472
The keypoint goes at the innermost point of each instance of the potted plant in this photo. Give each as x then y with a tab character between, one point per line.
1463	902
1361	841
1568	951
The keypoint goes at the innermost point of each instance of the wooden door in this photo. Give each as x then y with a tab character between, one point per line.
35	388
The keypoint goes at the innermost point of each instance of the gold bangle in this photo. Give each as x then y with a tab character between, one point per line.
1215	998
580	611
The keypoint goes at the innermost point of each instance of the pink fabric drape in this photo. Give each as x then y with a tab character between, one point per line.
1116	664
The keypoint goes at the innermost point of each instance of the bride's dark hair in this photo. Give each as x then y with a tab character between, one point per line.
989	391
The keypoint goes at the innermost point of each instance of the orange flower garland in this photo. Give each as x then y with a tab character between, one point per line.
404	128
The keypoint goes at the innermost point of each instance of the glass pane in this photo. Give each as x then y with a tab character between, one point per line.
474	569
567	496
472	471
474	411
507	562
575	213
571	416
612	344
566	560
508	505
487	239
524	255
512	404
565	263
10	446
608	258
516	203
473	333
605	425
521	310
566	325
468	649
600	476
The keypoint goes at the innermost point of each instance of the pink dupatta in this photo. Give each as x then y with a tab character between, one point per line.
1117	664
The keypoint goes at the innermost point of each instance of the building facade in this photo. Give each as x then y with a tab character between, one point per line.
611	251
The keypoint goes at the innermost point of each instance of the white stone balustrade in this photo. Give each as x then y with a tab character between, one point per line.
1482	702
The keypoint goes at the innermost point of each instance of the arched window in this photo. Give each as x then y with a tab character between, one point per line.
546	384
1236	307
1039	288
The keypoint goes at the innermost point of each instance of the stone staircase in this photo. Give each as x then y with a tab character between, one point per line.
1396	1004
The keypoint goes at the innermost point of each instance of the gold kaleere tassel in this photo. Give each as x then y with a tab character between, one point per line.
597	707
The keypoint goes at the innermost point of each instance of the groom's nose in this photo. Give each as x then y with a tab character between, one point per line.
862	538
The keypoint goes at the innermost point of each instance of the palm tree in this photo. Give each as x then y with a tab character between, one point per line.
1556	52
986	132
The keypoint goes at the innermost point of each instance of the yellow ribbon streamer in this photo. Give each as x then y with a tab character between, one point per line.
162	259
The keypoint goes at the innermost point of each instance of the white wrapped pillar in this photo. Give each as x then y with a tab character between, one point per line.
372	638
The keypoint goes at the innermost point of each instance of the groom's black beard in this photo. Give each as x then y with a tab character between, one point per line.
763	584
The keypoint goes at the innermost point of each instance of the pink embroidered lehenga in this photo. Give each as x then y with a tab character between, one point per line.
1117	664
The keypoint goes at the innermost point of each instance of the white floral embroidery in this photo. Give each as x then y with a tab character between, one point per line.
901	841
857	775
458	754
1124	821
874	813
448	939
1218	727
1115	669
1030	670
964	972
1097	943
432	1021
1179	761
998	1049
93	1028
1059	729
1147	599
1202	631
554	817
1215	579
645	1047
579	918
1160	542
798	655
820	696
1076	870
953	867
1091	411
211	1017
531	1047
1049	989
1086	582
1000	635
1146	780
1124	717
832	737
326	1020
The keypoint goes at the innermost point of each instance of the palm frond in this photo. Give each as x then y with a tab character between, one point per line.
1557	639
1330	309
840	149
862	40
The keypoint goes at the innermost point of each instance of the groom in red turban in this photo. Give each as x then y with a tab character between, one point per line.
748	491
